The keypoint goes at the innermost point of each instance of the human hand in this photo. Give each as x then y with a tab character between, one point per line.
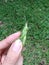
10	50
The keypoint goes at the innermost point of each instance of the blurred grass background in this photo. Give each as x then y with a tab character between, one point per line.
14	14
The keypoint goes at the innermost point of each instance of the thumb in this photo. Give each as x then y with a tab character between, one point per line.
13	53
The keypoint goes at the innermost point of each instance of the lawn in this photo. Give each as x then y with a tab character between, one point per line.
14	14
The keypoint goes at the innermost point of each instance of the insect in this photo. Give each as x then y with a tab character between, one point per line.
24	34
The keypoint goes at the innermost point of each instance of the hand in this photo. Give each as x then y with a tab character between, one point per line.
10	50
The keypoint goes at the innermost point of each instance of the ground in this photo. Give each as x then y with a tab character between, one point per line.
14	14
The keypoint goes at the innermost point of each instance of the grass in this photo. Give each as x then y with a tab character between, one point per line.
14	14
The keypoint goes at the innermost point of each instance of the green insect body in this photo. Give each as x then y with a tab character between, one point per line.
23	34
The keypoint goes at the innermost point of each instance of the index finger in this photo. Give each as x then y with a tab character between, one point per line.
8	41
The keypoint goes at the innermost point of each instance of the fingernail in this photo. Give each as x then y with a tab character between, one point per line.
19	32
17	46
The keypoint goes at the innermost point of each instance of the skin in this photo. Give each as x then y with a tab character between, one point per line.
10	51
